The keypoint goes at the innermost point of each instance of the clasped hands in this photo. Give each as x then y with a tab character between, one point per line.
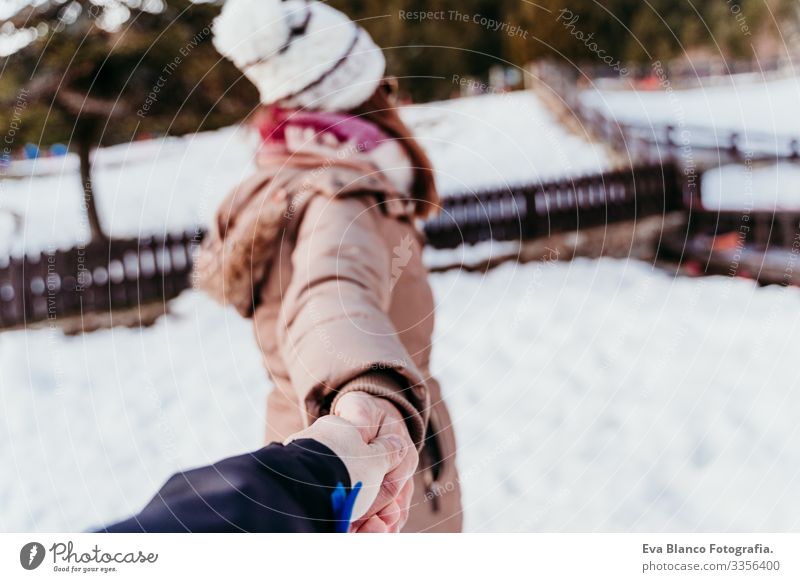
370	436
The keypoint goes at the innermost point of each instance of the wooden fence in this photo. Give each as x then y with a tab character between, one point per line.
538	210
702	146
96	278
127	273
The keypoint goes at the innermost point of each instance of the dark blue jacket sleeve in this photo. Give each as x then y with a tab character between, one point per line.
276	489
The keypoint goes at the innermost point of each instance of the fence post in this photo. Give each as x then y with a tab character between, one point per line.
794	148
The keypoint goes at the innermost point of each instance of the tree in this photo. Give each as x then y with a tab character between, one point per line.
429	50
99	75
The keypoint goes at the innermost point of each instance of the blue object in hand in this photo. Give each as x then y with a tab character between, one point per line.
343	503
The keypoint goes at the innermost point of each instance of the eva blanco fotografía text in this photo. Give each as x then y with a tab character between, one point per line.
712	549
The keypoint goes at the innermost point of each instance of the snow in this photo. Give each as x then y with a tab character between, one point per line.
174	184
142	188
589	395
605	396
471	256
763	111
761	187
120	154
742	104
499	139
94	424
592	395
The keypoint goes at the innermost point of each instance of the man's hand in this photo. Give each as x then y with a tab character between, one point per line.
377	417
365	462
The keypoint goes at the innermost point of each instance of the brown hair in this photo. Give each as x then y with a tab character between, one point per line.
380	110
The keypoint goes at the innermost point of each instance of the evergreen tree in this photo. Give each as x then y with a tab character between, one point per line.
626	30
118	72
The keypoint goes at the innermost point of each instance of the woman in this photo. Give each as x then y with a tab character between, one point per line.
319	247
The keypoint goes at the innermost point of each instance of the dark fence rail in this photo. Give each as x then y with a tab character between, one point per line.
703	145
566	205
121	274
98	277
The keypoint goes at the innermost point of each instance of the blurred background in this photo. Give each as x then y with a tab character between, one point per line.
614	266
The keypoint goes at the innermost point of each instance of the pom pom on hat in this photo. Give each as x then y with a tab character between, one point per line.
248	30
300	53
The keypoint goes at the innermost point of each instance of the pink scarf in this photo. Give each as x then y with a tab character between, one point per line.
345	127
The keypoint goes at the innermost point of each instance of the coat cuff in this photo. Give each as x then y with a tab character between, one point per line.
386	386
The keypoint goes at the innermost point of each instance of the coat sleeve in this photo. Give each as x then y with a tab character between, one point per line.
334	330
276	489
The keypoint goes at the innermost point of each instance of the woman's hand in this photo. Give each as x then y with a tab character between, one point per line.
366	462
376	418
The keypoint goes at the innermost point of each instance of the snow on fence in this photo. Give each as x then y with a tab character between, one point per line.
538	210
126	273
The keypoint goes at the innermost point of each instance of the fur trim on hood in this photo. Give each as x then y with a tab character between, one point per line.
236	255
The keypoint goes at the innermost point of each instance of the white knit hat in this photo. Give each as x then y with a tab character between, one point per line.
300	53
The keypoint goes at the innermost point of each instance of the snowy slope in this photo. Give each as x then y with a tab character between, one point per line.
178	186
742	104
492	140
585	395
120	154
174	184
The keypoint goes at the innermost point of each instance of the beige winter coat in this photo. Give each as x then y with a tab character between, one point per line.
324	256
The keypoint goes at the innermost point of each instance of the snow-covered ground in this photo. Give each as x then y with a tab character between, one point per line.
173	184
585	395
591	395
